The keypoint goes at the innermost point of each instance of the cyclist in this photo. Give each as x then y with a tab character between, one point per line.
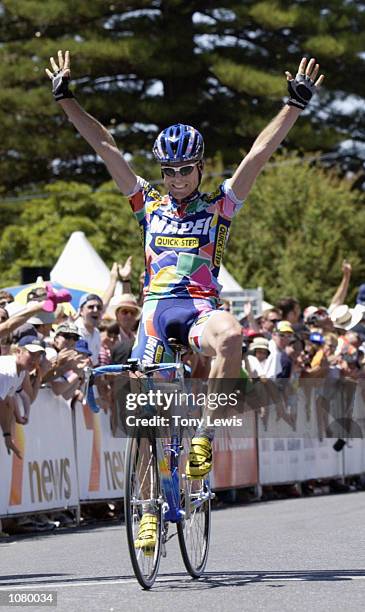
185	233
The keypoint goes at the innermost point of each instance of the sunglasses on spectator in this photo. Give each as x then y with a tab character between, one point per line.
274	321
183	170
287	335
67	336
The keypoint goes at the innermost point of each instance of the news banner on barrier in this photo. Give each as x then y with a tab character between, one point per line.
71	456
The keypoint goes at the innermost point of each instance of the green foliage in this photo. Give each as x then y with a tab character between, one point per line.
292	235
143	65
45	224
290	238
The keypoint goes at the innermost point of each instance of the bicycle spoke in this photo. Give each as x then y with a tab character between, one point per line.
142	490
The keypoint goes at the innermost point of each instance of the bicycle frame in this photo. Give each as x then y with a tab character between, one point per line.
186	503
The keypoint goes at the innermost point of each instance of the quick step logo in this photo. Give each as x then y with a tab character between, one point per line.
180	243
221	241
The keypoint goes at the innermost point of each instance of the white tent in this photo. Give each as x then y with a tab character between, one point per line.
80	266
227	281
238	296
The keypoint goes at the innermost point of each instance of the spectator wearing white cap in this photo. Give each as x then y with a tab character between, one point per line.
14	376
317	317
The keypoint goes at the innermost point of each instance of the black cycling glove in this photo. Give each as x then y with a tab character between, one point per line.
300	89
60	88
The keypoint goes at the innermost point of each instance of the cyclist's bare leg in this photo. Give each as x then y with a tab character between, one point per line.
222	339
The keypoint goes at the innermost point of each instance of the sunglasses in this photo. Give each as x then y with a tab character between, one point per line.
69	336
183	170
275	321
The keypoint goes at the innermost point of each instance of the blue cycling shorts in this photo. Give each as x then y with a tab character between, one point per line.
181	318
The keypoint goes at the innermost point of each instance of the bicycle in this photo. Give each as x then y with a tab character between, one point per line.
154	477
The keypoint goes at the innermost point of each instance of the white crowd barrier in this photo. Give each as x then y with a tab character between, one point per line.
45	478
287	456
100	456
71	456
235	457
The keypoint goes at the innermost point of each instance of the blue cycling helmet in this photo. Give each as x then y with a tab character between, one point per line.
178	143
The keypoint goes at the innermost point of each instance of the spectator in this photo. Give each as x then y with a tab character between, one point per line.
65	376
126	312
109	331
341	292
259	352
65	336
290	309
17	320
43	322
60	314
276	365
317	317
269	319
14	370
122	273
90	308
5	298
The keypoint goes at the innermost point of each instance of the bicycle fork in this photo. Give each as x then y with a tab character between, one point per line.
167	458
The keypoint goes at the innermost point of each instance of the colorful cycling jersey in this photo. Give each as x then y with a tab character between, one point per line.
184	243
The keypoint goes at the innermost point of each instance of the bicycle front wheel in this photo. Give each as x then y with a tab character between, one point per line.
142	490
194	530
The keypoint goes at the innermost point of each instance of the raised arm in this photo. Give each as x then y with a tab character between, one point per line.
20	318
301	90
341	291
98	137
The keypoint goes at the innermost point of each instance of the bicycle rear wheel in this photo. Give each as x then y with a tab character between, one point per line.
142	490
194	530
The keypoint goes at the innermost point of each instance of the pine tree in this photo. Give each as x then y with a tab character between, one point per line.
139	66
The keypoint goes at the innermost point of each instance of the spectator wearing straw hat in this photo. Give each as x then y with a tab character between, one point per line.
126	311
345	319
259	352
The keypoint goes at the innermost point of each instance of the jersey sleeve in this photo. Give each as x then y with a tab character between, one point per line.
231	203
144	199
138	198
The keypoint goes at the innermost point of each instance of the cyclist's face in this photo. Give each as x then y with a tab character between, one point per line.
181	185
